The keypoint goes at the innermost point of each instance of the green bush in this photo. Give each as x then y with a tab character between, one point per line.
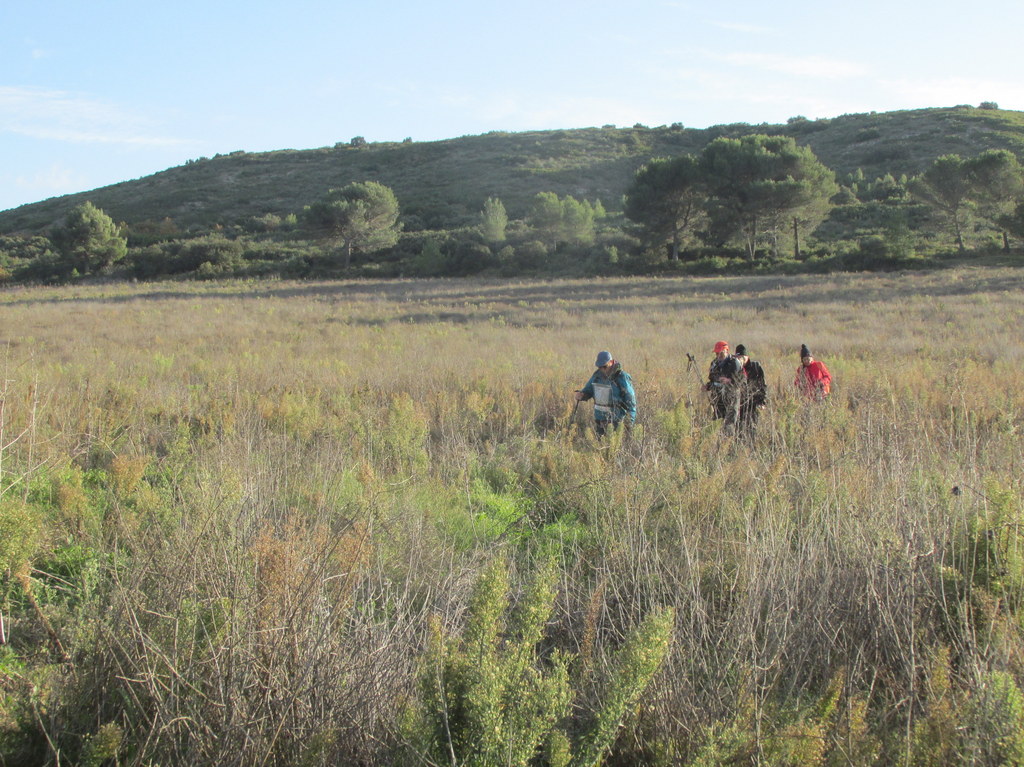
21	532
996	721
491	696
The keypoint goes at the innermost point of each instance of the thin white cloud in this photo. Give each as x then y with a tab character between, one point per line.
61	116
700	95
525	111
50	181
802	66
957	90
750	29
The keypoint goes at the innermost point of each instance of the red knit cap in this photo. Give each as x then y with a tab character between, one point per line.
721	346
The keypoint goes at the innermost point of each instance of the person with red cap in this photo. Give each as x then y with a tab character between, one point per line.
812	377
724	377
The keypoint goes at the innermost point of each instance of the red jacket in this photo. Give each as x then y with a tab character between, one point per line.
813	380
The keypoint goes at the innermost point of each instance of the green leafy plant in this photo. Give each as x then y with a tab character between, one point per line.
996	720
490	696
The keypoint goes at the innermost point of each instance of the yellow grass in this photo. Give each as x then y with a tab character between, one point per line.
290	479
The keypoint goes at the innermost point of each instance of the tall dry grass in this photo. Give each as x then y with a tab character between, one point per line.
244	504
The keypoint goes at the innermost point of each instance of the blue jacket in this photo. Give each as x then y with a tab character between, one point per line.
622	397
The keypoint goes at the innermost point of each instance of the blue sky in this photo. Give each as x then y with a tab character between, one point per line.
100	92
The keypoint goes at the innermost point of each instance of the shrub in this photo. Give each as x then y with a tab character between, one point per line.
490	697
21	532
996	733
209	255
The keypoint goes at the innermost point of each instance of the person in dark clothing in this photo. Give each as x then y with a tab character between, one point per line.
753	392
724	377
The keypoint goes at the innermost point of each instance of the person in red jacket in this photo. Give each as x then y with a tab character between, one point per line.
812	377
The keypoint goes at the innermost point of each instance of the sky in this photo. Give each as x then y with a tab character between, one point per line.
94	93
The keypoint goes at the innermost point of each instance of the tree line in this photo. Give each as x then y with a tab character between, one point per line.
757	201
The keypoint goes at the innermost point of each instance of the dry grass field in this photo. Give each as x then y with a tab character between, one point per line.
352	523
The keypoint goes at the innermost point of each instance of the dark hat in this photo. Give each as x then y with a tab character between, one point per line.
804	351
741	350
603	358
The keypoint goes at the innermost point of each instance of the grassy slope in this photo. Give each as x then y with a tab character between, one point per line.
444	183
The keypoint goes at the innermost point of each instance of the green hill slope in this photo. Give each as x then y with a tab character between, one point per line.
443	184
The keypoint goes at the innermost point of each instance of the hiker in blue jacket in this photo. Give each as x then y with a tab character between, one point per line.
612	391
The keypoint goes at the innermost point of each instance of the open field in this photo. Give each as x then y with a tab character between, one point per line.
277	523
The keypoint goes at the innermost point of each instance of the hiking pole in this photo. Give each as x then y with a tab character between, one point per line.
572	417
692	364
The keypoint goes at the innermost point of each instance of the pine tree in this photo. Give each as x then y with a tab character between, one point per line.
89	240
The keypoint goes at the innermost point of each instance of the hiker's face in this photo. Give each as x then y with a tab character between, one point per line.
606	370
805	361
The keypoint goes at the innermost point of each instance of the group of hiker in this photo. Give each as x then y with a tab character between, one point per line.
735	385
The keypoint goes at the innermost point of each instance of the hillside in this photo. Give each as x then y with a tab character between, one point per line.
442	184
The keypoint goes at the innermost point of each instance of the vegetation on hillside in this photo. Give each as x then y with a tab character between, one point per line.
354	522
884	211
